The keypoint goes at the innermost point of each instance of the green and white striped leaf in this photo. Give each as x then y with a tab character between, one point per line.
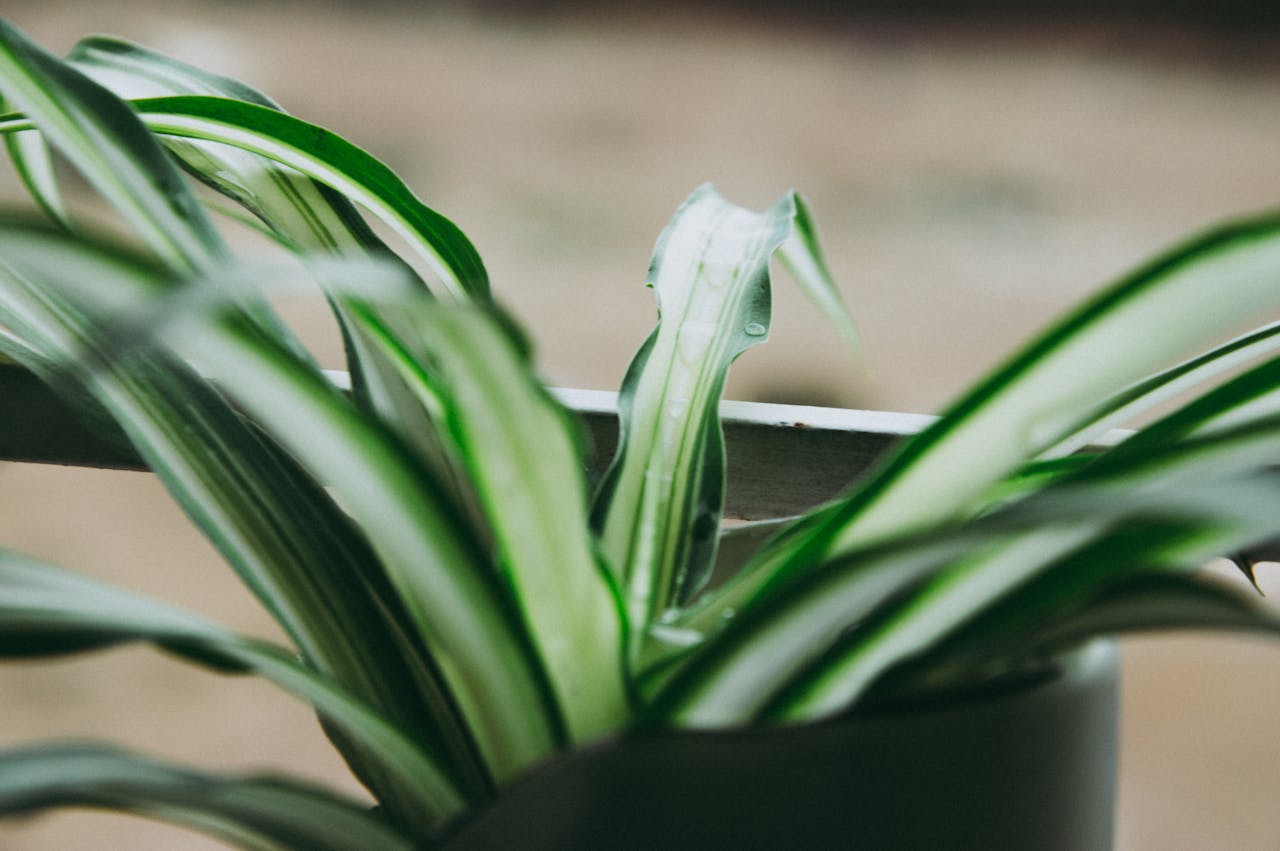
659	505
520	450
333	161
291	205
901	601
1202	290
304	215
1059	612
111	148
1165	385
801	254
46	610
1223	406
453	602
1160	601
297	551
33	161
1248	399
254	812
103	139
1246	512
292	545
131	70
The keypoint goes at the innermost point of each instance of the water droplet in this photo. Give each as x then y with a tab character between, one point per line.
677	407
755	329
727	615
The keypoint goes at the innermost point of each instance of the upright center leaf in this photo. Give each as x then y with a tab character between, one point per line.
658	510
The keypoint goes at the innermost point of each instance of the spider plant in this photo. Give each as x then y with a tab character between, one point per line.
460	601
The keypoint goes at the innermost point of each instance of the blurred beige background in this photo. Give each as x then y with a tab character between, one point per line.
970	179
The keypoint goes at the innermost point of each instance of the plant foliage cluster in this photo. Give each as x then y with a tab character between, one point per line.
459	604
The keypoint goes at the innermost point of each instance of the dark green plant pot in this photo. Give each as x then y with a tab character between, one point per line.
1029	766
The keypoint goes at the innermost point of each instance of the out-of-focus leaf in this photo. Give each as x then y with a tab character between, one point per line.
519	448
261	813
452	602
1204	288
44	610
844	625
114	152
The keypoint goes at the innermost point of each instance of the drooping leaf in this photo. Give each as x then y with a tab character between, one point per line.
1161	601
103	139
292	545
117	63
304	215
452	601
1069	610
286	202
802	254
111	148
331	160
45	610
254	812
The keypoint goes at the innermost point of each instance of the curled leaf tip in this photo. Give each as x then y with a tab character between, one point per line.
1247	563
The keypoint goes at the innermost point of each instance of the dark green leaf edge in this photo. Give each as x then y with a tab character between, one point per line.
257	811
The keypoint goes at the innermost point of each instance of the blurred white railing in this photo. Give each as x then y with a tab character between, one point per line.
782	459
